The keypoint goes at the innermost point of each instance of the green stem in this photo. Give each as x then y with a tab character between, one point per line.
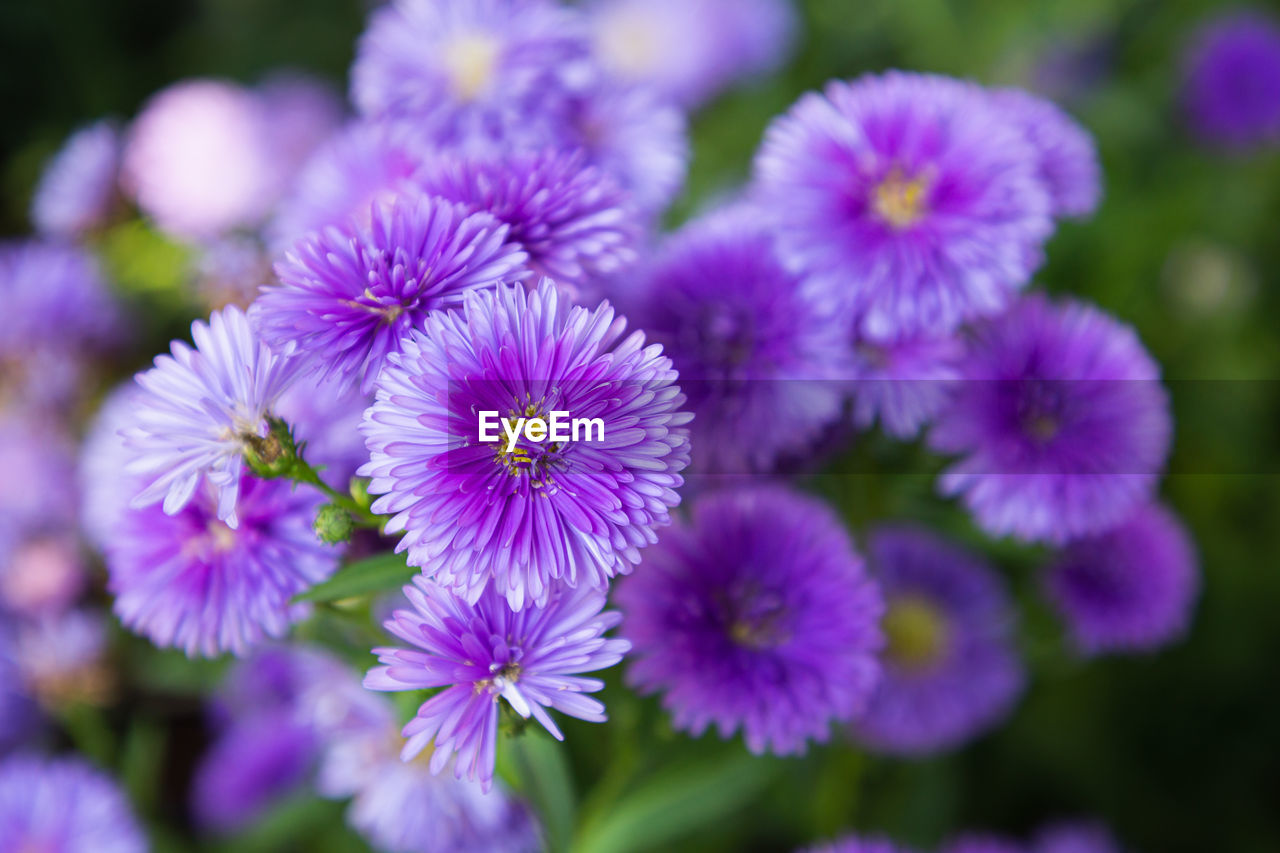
302	472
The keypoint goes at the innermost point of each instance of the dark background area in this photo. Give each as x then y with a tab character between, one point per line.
1179	751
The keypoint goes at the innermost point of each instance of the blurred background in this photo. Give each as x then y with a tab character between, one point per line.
1176	751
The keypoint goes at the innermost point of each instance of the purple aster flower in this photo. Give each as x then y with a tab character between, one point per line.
102	482
362	164
690	50
253	765
465	68
974	843
525	516
758	615
1075	837
917	199
200	408
950	669
485	651
574	220
19	716
63	806
349	296
304	112
43	573
191	581
1068	156
1130	588
904	382
199	159
1060	422
1232	89
78	189
859	844
38	489
751	344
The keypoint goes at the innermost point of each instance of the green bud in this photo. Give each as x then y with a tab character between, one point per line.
271	455
334	524
360	492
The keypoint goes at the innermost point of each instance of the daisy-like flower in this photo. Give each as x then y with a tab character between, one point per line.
63	806
484	652
1068	157
690	50
859	844
348	297
364	163
1075	837
573	219
199	409
1060	423
912	195
79	185
1131	588
751	343
191	581
1232	88
758	615
903	383
950	669
528	516
465	68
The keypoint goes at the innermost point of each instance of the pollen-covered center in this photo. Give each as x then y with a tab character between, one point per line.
916	632
1041	409
536	462
755	618
900	201
472	63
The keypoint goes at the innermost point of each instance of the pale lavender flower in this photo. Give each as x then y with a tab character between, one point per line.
63	806
78	187
903	383
1068	156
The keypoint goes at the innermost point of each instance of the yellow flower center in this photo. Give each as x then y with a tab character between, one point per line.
472	61
899	201
916	631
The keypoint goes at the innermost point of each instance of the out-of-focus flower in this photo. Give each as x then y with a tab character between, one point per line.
759	616
950	669
303	112
903	383
573	219
199	409
63	806
348	298
485	651
974	843
521	515
78	187
254	764
759	355
912	195
859	844
1232	90
690	50
43	573
1075	837
191	581
103	484
199	159
60	657
19	714
1068	157
229	271
1059	420
1131	588
466	69
365	163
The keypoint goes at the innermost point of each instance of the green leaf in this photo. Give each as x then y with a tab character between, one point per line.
379	573
542	775
675	803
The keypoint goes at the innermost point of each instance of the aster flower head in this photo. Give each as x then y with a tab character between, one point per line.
903	383
199	160
950	669
348	297
911	195
191	581
484	652
1068	157
364	163
78	187
1130	588
304	112
63	806
1077	836
60	658
1060	423
1232	87
199	409
525	517
465	68
690	50
574	220
757	615
751	343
